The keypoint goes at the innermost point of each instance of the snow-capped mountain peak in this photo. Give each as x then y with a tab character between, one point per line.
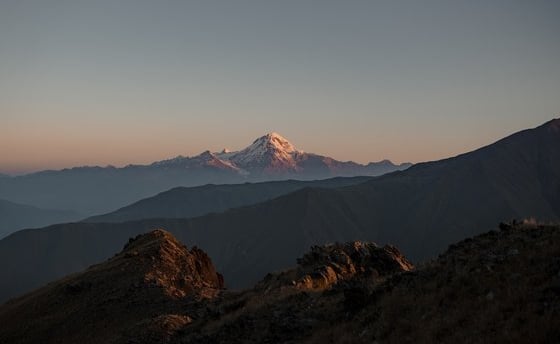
272	154
268	151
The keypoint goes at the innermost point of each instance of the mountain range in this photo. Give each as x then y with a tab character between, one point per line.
94	190
421	210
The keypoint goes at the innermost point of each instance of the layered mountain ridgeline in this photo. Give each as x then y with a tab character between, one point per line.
92	190
185	202
144	288
501	286
14	216
420	210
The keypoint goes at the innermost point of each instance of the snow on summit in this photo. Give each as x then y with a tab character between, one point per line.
266	149
272	154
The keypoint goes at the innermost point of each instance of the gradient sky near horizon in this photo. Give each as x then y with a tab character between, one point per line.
119	82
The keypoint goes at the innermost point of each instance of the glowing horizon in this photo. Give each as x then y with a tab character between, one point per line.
132	82
141	158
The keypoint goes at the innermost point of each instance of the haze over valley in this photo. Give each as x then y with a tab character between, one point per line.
270	157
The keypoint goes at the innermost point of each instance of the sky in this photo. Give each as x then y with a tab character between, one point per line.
120	82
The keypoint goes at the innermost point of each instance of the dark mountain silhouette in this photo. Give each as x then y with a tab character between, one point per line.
498	287
94	190
15	216
185	202
146	284
420	210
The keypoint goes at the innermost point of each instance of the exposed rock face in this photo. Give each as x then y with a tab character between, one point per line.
327	265
171	266
146	286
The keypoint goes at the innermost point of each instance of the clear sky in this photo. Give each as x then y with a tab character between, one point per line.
118	82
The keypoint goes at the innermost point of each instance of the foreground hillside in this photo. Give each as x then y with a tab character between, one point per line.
420	210
501	286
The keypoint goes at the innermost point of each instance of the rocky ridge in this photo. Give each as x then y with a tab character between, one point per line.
501	286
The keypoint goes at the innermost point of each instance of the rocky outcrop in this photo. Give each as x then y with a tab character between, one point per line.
169	265
324	266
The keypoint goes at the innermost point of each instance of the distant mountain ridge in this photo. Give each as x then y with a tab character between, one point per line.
92	190
14	216
184	202
273	155
420	210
